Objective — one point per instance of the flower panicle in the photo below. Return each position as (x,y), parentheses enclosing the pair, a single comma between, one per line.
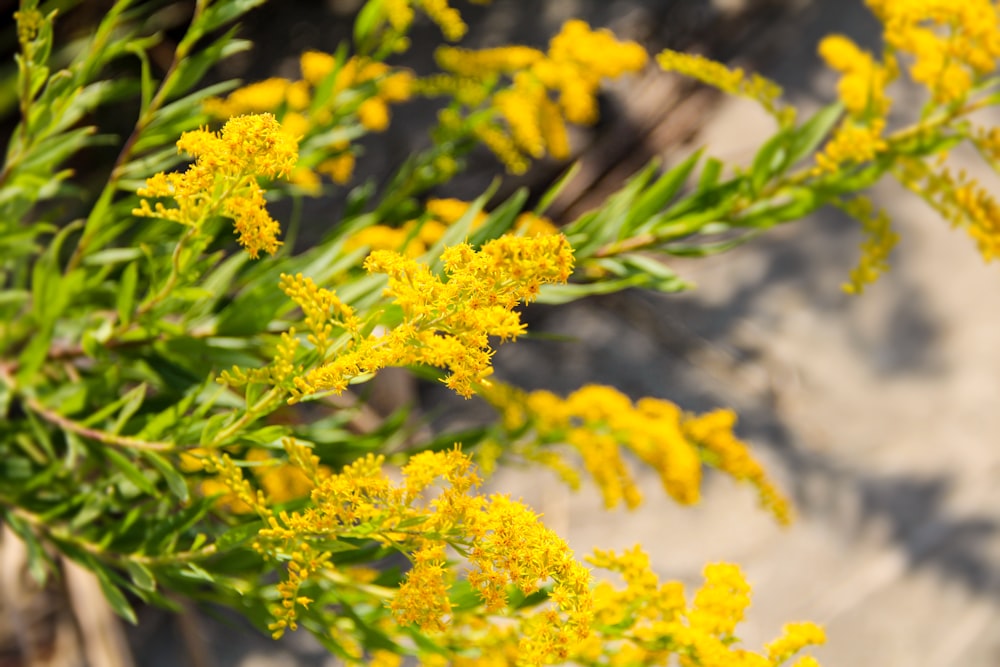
(879,240)
(648,620)
(600,423)
(548,89)
(223,180)
(447,321)
(755,87)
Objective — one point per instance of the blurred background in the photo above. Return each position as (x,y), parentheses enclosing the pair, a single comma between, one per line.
(877,413)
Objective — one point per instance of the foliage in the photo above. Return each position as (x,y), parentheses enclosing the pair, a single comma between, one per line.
(170,412)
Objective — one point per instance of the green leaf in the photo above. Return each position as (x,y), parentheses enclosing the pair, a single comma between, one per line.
(39,561)
(771,160)
(156,426)
(110,256)
(222,13)
(47,154)
(212,427)
(657,196)
(791,204)
(238,535)
(659,276)
(596,228)
(114,596)
(130,470)
(710,174)
(142,168)
(368,19)
(125,299)
(195,572)
(141,576)
(175,480)
(560,294)
(133,400)
(501,219)
(49,292)
(556,189)
(193,68)
(807,138)
(147,85)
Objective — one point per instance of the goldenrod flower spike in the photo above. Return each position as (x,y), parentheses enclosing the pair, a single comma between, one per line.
(223,179)
(879,240)
(953,44)
(600,422)
(731,81)
(863,79)
(571,70)
(447,322)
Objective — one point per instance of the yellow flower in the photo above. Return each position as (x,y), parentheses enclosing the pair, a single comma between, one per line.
(713,432)
(796,637)
(732,81)
(322,308)
(597,421)
(374,114)
(259,97)
(719,604)
(852,144)
(448,19)
(952,43)
(447,323)
(316,66)
(339,169)
(530,224)
(863,81)
(223,179)
(960,200)
(572,69)
(879,240)
(422,599)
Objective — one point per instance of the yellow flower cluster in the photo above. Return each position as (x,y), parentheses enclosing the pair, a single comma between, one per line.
(414,237)
(434,505)
(646,622)
(863,79)
(223,179)
(598,421)
(732,81)
(852,143)
(447,322)
(952,44)
(278,373)
(951,47)
(294,100)
(272,95)
(318,102)
(276,480)
(577,60)
(712,433)
(960,200)
(879,240)
(322,308)
(29,23)
(400,15)
(858,139)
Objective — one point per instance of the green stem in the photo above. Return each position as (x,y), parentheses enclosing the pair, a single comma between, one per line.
(799,178)
(112,439)
(64,534)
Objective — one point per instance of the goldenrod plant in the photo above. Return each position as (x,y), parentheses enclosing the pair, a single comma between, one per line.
(173,405)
